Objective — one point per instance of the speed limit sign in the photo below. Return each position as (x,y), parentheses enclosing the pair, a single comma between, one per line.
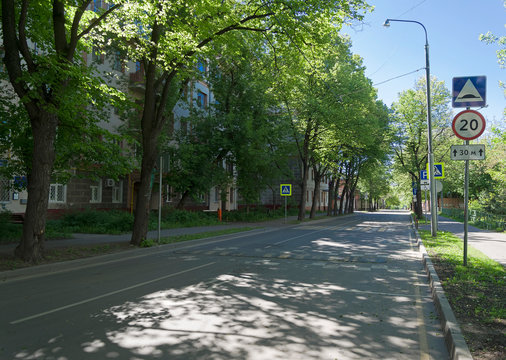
(468,124)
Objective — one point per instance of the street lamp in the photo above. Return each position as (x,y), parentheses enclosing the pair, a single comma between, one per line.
(433,205)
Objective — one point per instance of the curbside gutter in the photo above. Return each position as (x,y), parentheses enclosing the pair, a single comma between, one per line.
(455,343)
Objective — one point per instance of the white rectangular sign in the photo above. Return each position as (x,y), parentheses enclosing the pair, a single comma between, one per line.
(425,187)
(467,152)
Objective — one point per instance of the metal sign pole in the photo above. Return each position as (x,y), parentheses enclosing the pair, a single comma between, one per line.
(466,206)
(285,209)
(425,207)
(160,201)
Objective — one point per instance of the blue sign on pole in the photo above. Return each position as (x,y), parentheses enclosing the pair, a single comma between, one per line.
(469,91)
(285,189)
(423,175)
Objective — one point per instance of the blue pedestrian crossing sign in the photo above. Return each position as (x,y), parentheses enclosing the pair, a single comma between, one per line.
(439,170)
(285,189)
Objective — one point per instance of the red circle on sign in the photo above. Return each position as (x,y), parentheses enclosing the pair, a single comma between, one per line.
(468,129)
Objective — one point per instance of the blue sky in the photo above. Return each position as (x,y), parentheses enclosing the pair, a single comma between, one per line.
(453,28)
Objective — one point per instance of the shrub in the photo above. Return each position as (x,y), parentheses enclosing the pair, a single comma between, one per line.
(8,231)
(101,222)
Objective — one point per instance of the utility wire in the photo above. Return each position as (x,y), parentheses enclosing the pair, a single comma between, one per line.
(413,7)
(409,73)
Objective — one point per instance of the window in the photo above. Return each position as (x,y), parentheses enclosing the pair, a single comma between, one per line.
(230,167)
(5,190)
(96,192)
(201,99)
(117,192)
(57,193)
(216,194)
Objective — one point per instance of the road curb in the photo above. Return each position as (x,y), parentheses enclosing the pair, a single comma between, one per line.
(135,252)
(455,343)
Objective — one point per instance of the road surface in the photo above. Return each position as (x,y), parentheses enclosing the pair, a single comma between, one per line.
(351,287)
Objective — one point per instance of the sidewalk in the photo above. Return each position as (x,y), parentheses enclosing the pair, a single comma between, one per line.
(492,244)
(98,239)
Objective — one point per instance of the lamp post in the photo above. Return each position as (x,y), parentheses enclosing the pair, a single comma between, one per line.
(433,205)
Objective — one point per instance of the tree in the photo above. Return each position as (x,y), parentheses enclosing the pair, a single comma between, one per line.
(168,37)
(490,38)
(54,91)
(409,127)
(326,95)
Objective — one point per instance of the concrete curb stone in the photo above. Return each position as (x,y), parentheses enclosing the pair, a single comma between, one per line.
(455,343)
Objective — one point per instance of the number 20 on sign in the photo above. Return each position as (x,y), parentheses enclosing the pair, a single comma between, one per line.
(468,125)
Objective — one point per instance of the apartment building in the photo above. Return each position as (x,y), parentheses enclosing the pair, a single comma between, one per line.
(84,192)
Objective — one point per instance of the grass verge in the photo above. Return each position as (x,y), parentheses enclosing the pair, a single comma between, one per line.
(476,293)
(9,262)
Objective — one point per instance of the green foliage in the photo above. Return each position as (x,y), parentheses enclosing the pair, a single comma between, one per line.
(147,243)
(8,231)
(172,218)
(99,222)
(478,217)
(481,276)
(393,202)
(259,213)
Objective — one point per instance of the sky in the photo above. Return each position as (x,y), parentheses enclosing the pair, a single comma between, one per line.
(453,29)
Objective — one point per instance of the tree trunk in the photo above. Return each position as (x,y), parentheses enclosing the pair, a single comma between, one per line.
(336,197)
(302,201)
(343,194)
(418,207)
(353,188)
(330,197)
(31,246)
(180,204)
(316,192)
(141,218)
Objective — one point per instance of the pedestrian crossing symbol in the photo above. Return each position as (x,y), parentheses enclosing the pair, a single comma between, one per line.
(285,189)
(439,170)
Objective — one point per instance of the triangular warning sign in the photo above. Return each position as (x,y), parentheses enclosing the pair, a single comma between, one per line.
(437,171)
(468,93)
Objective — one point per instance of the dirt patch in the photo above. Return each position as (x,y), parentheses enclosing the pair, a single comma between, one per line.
(484,335)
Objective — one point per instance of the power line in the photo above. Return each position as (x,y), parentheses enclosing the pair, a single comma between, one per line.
(409,73)
(413,7)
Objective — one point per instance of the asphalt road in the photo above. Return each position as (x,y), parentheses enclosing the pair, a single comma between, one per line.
(352,287)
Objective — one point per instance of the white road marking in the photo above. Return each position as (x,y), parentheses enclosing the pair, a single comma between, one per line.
(107,294)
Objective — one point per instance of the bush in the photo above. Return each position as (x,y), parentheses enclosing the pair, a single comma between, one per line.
(9,232)
(93,221)
(259,213)
(172,218)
